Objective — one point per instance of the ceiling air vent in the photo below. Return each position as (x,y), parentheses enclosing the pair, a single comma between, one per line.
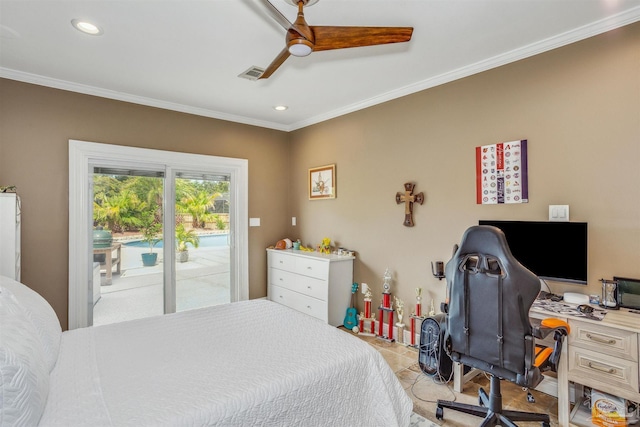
(252,73)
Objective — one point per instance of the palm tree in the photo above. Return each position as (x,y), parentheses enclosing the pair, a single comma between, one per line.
(151,190)
(119,212)
(197,205)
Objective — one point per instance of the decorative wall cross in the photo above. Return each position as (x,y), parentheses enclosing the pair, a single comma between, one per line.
(409,199)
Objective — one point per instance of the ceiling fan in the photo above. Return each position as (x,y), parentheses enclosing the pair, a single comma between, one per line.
(302,39)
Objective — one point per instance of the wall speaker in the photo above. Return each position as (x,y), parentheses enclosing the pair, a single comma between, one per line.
(432,358)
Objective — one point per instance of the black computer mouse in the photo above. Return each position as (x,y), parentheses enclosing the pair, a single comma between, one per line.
(584,308)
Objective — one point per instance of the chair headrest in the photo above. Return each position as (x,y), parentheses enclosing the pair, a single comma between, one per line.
(487,245)
(485,239)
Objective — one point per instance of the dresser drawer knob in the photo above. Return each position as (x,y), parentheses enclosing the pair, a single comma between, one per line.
(308,287)
(600,340)
(602,368)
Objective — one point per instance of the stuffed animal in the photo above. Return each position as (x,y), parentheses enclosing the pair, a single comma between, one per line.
(325,246)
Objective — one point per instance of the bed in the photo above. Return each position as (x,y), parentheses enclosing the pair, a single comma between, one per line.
(247,363)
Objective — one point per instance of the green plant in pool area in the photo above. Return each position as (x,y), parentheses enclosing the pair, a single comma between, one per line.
(151,230)
(220,224)
(184,236)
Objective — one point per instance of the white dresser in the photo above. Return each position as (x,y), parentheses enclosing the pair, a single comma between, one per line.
(10,235)
(310,282)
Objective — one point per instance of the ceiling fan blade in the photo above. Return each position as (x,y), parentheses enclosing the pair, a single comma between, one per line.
(282,56)
(281,19)
(327,37)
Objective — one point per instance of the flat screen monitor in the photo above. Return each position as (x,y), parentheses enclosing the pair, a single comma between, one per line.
(551,250)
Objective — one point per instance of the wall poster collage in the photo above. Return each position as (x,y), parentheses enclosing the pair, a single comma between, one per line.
(501,173)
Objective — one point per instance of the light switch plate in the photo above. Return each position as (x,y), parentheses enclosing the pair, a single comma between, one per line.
(254,222)
(558,212)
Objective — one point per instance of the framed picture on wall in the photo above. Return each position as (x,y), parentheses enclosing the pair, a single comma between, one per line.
(322,182)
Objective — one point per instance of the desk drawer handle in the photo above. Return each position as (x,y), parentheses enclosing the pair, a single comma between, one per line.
(600,340)
(601,369)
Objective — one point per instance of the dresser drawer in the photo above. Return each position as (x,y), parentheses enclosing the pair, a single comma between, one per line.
(312,268)
(303,303)
(282,278)
(316,288)
(603,339)
(593,368)
(282,261)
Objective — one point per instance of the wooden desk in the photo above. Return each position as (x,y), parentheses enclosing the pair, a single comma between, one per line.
(603,355)
(110,261)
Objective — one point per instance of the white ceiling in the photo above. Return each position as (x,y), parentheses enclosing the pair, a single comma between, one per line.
(186,55)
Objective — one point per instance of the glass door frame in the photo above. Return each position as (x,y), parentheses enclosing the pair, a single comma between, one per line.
(83,156)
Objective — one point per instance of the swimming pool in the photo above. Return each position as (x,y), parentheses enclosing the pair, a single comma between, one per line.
(206,241)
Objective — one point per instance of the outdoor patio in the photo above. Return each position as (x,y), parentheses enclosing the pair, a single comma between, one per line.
(138,291)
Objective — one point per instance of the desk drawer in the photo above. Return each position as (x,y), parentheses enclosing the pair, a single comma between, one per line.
(312,268)
(599,338)
(593,368)
(282,261)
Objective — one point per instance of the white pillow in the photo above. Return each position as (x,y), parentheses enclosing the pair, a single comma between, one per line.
(24,375)
(41,315)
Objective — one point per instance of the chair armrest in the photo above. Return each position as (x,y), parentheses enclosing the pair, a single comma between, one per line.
(548,325)
(560,329)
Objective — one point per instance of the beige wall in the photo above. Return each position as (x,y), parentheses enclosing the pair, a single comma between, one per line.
(578,106)
(36,124)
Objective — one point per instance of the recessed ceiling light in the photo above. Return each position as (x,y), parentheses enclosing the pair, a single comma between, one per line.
(280,107)
(86,27)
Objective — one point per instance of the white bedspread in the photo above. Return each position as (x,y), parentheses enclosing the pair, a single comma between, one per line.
(249,363)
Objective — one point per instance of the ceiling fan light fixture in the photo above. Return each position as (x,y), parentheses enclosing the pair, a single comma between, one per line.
(300,47)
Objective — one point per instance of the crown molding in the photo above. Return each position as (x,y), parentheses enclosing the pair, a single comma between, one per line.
(625,18)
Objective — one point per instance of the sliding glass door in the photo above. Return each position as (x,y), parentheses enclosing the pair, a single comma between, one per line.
(187,213)
(203,256)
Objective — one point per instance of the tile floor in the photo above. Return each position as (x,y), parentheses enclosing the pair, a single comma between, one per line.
(425,392)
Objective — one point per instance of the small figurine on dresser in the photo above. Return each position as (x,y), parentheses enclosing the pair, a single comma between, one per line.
(325,246)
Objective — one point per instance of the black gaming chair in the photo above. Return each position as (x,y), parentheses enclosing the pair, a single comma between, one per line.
(488,327)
